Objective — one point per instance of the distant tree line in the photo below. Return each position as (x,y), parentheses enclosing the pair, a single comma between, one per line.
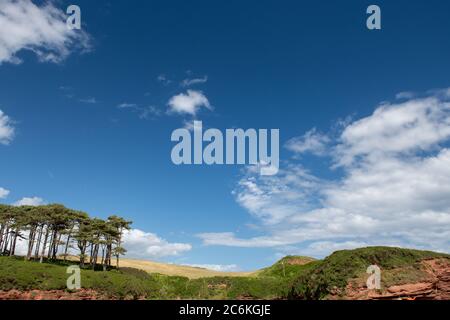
(54,231)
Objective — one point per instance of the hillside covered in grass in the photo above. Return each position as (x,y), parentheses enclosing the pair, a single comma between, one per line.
(292,277)
(347,269)
(132,283)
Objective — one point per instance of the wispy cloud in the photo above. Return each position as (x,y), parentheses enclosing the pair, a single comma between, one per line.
(405,95)
(162,78)
(146,112)
(40,29)
(190,82)
(312,141)
(90,100)
(127,105)
(394,189)
(7,130)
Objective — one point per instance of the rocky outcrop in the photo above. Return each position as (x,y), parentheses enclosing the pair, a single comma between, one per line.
(436,286)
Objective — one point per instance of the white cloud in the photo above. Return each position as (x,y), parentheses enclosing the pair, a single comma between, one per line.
(312,141)
(405,95)
(190,82)
(189,103)
(22,245)
(33,201)
(273,198)
(189,125)
(126,105)
(139,245)
(411,126)
(162,78)
(394,189)
(216,267)
(40,29)
(3,193)
(147,112)
(7,129)
(230,239)
(145,245)
(91,100)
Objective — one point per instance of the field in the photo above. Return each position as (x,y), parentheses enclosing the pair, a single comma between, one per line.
(178,270)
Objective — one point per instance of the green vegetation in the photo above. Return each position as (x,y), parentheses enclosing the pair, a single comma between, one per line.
(291,277)
(130,283)
(288,267)
(49,228)
(335,272)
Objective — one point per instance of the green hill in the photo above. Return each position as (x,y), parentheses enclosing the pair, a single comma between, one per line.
(288,267)
(334,273)
(292,277)
(132,283)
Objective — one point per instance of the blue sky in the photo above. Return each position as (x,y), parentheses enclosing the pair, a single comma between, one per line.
(90,127)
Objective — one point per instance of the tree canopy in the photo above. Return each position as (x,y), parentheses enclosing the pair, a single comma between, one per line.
(54,231)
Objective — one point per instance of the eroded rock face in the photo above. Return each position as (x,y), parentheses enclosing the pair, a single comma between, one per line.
(435,287)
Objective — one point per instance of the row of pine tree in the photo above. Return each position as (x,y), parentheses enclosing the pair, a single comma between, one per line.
(55,232)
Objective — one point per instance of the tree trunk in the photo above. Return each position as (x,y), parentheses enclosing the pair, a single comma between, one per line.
(66,249)
(94,258)
(1,235)
(92,253)
(31,238)
(103,258)
(51,249)
(50,244)
(5,245)
(82,247)
(12,248)
(56,245)
(38,245)
(45,243)
(68,242)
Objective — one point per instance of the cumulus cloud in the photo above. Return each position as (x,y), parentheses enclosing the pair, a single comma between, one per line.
(145,245)
(312,141)
(7,129)
(189,103)
(393,129)
(40,29)
(3,193)
(139,245)
(394,188)
(32,201)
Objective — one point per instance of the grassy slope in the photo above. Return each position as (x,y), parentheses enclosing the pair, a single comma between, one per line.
(287,267)
(398,266)
(15,273)
(294,277)
(169,269)
(178,270)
